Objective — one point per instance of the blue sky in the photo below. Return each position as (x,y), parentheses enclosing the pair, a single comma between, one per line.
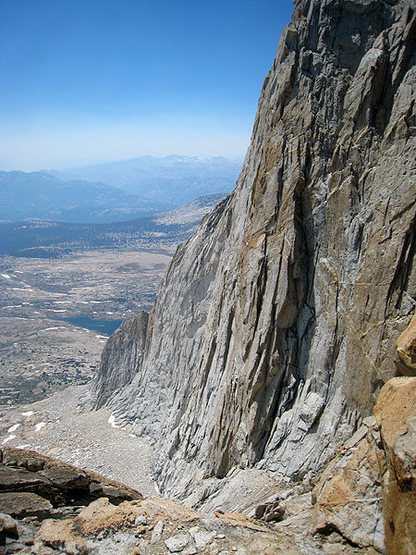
(85,81)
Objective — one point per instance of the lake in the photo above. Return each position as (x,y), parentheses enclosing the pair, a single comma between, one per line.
(107,327)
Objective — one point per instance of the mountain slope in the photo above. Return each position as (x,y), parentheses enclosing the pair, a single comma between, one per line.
(274,327)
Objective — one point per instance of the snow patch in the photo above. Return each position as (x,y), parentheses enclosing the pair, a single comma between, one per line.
(13,428)
(112,421)
(27,413)
(39,426)
(6,276)
(9,438)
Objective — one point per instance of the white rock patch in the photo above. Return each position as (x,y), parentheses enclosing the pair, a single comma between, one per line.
(9,438)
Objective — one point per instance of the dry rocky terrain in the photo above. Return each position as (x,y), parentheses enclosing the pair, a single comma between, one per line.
(47,506)
(40,352)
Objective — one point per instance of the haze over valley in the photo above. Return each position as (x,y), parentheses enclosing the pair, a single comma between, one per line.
(117,191)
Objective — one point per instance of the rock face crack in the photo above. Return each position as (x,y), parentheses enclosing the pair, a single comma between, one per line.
(404,268)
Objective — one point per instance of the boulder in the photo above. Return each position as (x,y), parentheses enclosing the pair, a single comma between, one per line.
(24,504)
(8,528)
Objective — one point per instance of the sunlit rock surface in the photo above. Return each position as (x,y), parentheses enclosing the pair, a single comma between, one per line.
(396,415)
(274,328)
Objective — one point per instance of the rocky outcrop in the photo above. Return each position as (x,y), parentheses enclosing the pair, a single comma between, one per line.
(396,415)
(347,498)
(405,353)
(274,327)
(34,487)
(47,506)
(53,482)
(367,493)
(155,526)
(121,358)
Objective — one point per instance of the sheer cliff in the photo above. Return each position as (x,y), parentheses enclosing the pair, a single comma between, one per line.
(274,327)
(123,352)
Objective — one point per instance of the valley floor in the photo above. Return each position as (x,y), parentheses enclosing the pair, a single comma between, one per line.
(44,344)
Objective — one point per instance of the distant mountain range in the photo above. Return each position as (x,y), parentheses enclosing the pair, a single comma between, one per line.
(114,192)
(173,180)
(42,195)
(47,239)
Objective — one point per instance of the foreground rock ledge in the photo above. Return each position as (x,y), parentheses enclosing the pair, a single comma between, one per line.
(55,507)
(367,493)
(364,501)
(34,487)
(155,526)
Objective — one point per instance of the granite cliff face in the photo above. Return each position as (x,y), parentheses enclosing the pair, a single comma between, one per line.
(274,327)
(121,358)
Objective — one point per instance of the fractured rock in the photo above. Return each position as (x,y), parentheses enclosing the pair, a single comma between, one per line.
(367,493)
(157,532)
(396,415)
(203,538)
(177,543)
(405,358)
(348,496)
(8,528)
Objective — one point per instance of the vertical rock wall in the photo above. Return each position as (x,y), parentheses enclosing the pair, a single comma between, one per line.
(274,327)
(121,358)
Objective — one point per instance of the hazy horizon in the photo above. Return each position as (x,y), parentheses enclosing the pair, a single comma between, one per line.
(86,83)
(69,168)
